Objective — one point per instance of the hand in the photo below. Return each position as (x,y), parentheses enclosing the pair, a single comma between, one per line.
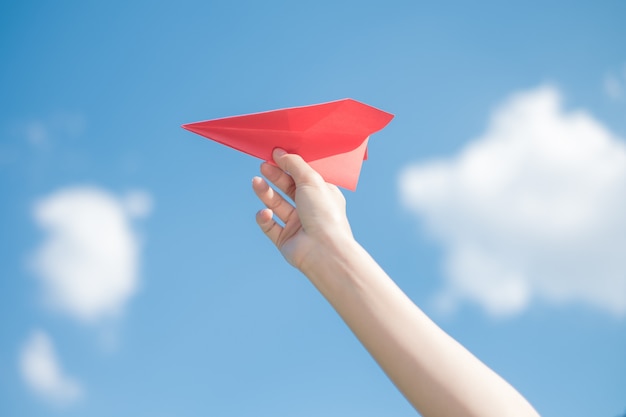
(316,226)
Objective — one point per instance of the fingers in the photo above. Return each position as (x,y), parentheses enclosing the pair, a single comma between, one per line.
(301,172)
(272,200)
(280,179)
(265,220)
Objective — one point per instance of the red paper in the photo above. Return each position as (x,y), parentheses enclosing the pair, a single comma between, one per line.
(332,137)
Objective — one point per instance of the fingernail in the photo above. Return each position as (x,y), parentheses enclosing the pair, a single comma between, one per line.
(278,152)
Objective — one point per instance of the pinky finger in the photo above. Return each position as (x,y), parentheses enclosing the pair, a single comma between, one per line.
(265,220)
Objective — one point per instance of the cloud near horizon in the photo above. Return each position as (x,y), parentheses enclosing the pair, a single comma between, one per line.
(40,369)
(532,209)
(90,259)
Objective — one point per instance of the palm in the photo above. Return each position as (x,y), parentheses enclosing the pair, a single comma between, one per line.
(318,215)
(292,240)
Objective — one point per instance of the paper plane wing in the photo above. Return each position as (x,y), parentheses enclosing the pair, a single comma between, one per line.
(332,137)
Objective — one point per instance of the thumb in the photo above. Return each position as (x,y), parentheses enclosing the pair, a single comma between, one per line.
(294,165)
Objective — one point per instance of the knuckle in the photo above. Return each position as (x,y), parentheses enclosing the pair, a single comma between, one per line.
(267,227)
(275,201)
(290,189)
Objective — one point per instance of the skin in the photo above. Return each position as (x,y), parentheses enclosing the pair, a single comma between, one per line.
(436,374)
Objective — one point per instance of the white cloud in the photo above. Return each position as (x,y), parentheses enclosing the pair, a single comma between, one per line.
(41,371)
(534,208)
(89,262)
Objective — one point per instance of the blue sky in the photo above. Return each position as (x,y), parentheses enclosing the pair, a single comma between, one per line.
(134,280)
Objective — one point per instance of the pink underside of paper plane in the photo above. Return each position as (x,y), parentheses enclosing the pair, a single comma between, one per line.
(332,137)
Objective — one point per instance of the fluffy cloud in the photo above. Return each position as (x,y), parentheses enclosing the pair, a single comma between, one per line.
(534,208)
(40,370)
(89,262)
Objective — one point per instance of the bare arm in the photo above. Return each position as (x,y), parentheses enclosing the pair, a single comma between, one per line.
(433,371)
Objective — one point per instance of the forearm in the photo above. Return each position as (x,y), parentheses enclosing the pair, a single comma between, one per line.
(433,371)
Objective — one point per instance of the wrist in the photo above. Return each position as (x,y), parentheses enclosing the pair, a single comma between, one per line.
(328,261)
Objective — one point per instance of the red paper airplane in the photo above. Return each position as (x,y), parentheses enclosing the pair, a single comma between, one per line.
(332,137)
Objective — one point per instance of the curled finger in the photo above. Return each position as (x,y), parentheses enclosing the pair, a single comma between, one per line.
(269,226)
(272,200)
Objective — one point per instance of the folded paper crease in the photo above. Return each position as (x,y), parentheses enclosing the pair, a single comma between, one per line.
(332,137)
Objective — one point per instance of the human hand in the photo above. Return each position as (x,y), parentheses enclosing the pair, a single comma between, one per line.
(316,227)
